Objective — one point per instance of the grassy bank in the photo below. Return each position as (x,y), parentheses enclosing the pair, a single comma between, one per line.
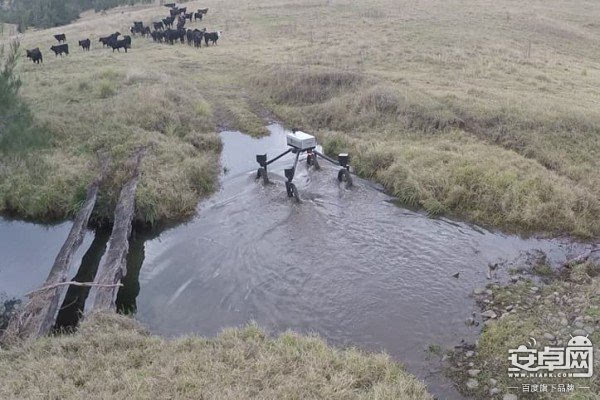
(564,303)
(112,357)
(487,111)
(103,102)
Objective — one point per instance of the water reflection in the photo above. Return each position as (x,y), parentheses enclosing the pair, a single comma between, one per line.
(73,304)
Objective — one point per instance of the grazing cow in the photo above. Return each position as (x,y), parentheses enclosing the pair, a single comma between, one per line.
(107,39)
(189,16)
(61,37)
(35,55)
(60,49)
(197,16)
(212,37)
(203,10)
(158,26)
(85,44)
(168,22)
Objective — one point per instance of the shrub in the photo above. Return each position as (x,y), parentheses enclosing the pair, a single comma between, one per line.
(16,130)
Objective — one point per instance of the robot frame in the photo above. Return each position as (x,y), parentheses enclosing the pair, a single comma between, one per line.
(301,142)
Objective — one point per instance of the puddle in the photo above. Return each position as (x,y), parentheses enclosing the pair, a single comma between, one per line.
(346,264)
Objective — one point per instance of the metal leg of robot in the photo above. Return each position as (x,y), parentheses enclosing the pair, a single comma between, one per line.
(290,188)
(344,173)
(261,159)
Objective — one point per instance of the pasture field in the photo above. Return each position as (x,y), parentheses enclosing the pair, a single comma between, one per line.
(485,110)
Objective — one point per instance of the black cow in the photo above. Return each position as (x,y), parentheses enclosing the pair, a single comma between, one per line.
(124,43)
(181,33)
(158,26)
(174,12)
(60,49)
(197,16)
(212,37)
(171,35)
(157,36)
(189,36)
(168,21)
(35,55)
(107,39)
(183,10)
(61,37)
(198,34)
(189,16)
(180,23)
(146,31)
(85,44)
(138,27)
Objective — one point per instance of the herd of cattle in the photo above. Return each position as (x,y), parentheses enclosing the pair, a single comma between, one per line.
(163,33)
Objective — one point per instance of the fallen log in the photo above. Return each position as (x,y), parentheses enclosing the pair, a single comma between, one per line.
(113,265)
(580,259)
(69,283)
(39,314)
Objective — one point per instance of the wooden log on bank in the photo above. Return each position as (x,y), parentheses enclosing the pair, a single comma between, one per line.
(580,259)
(38,315)
(113,265)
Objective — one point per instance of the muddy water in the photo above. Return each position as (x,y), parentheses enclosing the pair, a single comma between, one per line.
(347,264)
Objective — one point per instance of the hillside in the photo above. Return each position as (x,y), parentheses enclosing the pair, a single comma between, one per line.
(482,110)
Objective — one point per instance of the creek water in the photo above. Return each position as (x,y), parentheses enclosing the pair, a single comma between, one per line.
(27,251)
(347,264)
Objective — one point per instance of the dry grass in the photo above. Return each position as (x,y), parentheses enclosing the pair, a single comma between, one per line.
(485,110)
(112,357)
